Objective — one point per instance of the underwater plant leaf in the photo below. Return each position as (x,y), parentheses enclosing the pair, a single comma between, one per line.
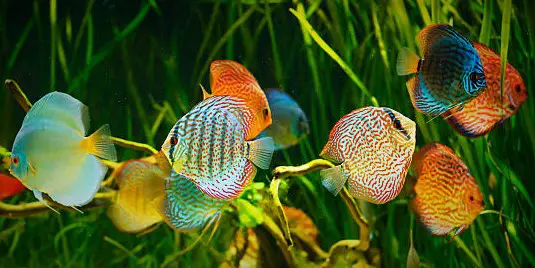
(249,215)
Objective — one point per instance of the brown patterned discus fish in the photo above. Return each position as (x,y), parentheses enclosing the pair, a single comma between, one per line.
(373,148)
(493,106)
(447,195)
(229,78)
(138,201)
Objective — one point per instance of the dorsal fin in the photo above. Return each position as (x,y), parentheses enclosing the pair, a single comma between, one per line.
(205,94)
(63,108)
(434,33)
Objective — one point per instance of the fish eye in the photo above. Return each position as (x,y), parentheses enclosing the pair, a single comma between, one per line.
(517,88)
(15,160)
(471,198)
(265,112)
(475,76)
(174,140)
(511,107)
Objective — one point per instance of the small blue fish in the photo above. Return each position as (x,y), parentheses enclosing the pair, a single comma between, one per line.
(186,208)
(449,74)
(52,155)
(290,123)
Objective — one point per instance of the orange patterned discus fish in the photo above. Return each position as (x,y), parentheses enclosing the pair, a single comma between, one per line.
(138,201)
(245,243)
(373,148)
(298,219)
(229,78)
(208,147)
(447,195)
(492,107)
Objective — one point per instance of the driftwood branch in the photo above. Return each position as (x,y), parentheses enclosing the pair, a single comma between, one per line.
(318,164)
(32,208)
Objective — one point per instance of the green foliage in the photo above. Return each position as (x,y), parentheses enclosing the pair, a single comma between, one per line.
(131,62)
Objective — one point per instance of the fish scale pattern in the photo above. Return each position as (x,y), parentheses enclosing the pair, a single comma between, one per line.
(375,147)
(186,208)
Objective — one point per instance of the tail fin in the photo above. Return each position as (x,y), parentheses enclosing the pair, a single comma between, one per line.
(100,144)
(333,179)
(407,62)
(261,151)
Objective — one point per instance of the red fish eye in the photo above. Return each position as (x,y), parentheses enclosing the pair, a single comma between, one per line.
(517,88)
(473,76)
(15,160)
(265,112)
(512,107)
(471,198)
(174,140)
(397,124)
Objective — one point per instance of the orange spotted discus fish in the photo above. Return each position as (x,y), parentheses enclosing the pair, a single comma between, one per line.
(447,195)
(493,106)
(138,202)
(373,148)
(186,208)
(229,78)
(208,147)
(449,73)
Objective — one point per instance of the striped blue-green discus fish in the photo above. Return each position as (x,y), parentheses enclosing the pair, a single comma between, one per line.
(449,74)
(186,208)
(208,146)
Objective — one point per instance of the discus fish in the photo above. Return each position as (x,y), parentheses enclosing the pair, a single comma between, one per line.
(447,195)
(229,78)
(290,123)
(448,75)
(9,186)
(208,147)
(139,198)
(373,148)
(51,155)
(492,107)
(186,208)
(299,220)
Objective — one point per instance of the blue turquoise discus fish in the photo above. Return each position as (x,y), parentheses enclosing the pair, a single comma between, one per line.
(208,147)
(186,208)
(449,74)
(52,155)
(290,123)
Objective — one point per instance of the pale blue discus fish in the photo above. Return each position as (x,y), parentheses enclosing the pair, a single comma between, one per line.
(289,122)
(52,155)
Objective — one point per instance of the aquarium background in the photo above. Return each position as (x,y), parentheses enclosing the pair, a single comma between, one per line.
(128,60)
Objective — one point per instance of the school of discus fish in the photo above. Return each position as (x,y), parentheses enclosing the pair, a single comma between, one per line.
(213,152)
